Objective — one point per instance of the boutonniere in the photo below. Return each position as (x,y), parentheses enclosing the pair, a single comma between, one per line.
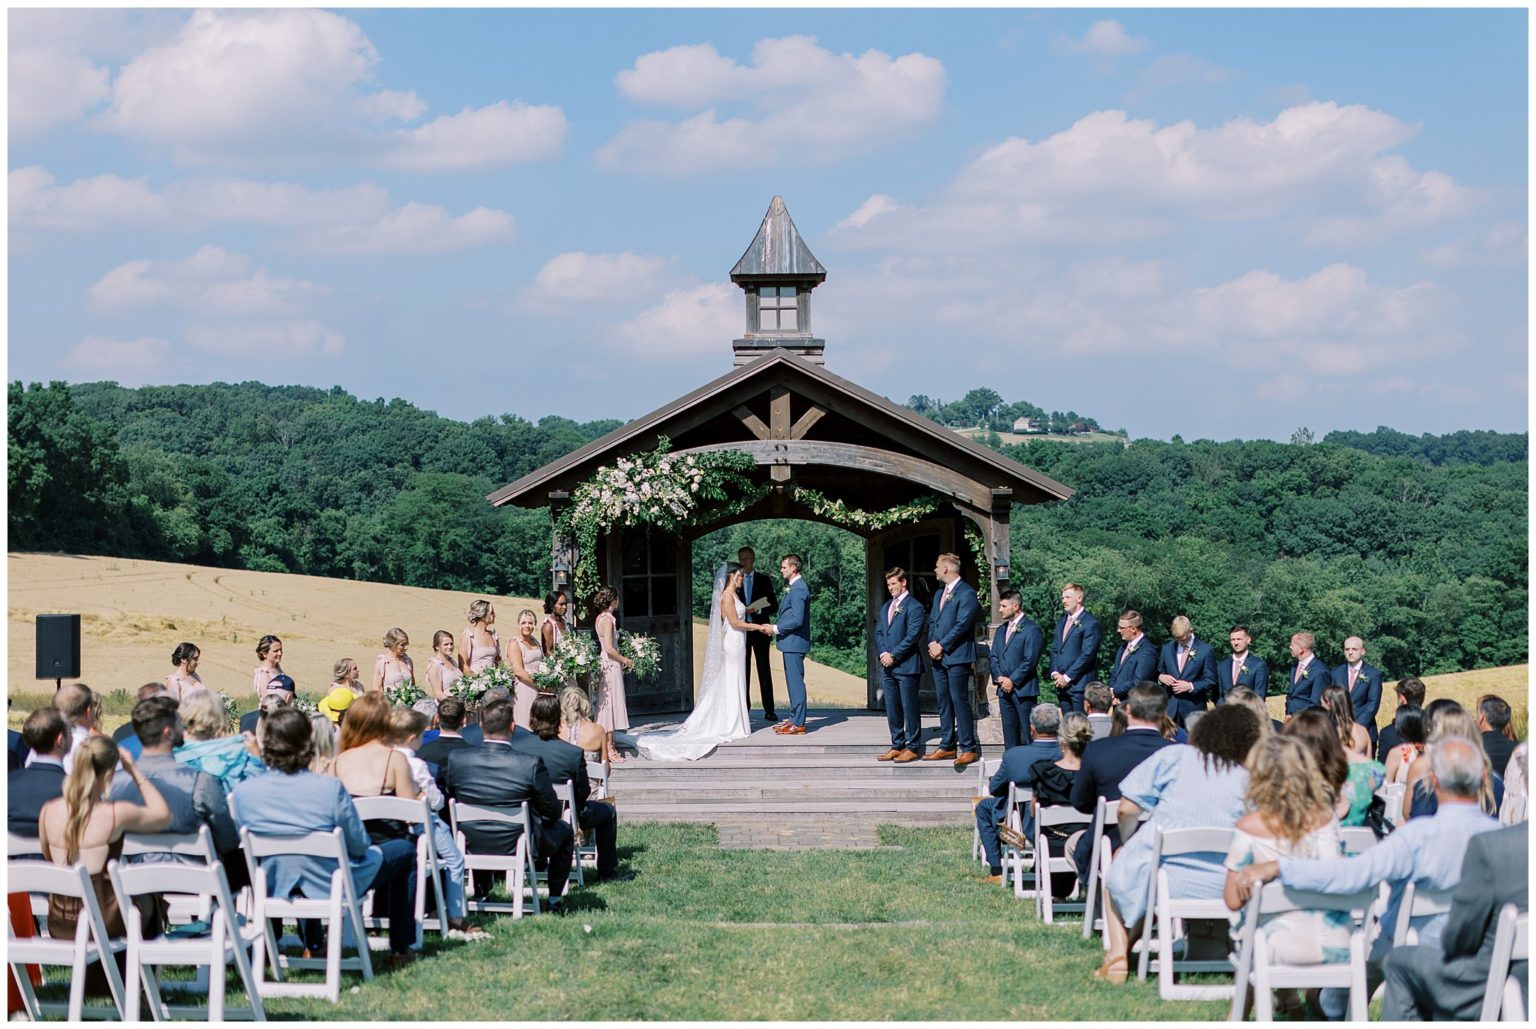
(1130,648)
(1070,627)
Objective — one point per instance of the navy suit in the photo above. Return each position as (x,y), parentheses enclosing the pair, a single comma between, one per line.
(792,633)
(901,636)
(1199,671)
(1106,763)
(1365,698)
(27,790)
(1305,691)
(1015,768)
(1254,676)
(952,624)
(1140,666)
(1017,659)
(1077,656)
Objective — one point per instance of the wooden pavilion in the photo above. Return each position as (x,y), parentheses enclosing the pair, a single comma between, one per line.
(806,427)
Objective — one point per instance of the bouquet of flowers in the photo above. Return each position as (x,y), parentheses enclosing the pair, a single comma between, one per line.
(305,703)
(644,651)
(404,694)
(470,688)
(231,711)
(575,656)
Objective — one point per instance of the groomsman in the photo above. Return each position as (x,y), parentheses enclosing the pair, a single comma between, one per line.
(1187,668)
(1074,649)
(1015,659)
(1136,659)
(1363,681)
(1242,668)
(754,586)
(1308,675)
(898,633)
(952,646)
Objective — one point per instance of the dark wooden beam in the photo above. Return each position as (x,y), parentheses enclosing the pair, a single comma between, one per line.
(804,422)
(755,425)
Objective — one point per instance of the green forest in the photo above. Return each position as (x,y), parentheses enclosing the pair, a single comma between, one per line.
(1417,543)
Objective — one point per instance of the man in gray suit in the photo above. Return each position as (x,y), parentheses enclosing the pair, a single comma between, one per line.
(1447,982)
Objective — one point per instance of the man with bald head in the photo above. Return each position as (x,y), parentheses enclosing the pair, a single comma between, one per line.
(1363,681)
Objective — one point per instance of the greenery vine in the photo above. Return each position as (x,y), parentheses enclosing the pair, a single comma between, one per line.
(872,521)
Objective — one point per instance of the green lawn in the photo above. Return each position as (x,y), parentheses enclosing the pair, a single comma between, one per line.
(702,933)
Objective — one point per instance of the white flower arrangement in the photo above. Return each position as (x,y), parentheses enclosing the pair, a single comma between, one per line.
(404,694)
(575,655)
(644,651)
(305,703)
(231,709)
(470,688)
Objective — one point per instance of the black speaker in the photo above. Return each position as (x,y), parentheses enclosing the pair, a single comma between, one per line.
(58,646)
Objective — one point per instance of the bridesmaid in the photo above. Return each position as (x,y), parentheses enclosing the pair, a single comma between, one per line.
(525,657)
(556,605)
(393,666)
(443,669)
(345,675)
(612,712)
(482,647)
(270,652)
(185,678)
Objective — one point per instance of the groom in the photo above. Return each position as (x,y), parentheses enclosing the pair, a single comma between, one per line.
(793,632)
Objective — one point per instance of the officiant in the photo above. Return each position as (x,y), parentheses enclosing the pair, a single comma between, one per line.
(756,591)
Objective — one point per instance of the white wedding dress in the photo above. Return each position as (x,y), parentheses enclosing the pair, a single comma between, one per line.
(720,714)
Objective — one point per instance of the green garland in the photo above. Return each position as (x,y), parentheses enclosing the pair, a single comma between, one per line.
(978,544)
(871,521)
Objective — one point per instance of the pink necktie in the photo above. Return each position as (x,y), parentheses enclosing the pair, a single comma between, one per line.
(1009,634)
(943,599)
(1066,629)
(1353,674)
(1183,658)
(890,614)
(1237,669)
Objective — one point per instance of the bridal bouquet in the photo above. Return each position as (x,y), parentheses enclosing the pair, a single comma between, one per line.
(470,688)
(305,703)
(404,694)
(575,656)
(231,710)
(644,651)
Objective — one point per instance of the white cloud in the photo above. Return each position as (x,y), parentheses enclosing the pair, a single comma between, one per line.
(213,281)
(37,202)
(413,229)
(1503,244)
(689,321)
(580,278)
(500,134)
(101,357)
(1173,70)
(1107,38)
(279,341)
(802,101)
(48,87)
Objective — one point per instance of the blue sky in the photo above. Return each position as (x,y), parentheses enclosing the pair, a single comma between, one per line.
(1211,223)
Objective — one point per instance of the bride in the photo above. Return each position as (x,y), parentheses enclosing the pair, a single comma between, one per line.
(721,714)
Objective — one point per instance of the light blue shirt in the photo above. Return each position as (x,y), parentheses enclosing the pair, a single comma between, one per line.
(1425,851)
(746,585)
(277,804)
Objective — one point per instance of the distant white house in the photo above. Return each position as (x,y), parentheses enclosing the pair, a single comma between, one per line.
(1026,425)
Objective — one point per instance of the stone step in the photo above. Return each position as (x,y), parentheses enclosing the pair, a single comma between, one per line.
(874,793)
(784,812)
(719,766)
(797,747)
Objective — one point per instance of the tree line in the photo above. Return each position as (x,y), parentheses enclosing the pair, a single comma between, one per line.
(1417,544)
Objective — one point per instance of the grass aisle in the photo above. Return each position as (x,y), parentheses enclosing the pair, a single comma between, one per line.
(703,933)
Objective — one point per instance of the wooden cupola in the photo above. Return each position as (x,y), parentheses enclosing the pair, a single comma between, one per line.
(777,274)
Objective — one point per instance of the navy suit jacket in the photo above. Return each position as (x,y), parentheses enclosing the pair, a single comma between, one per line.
(1128,671)
(794,626)
(563,761)
(1306,692)
(27,790)
(1255,676)
(495,775)
(1078,655)
(1107,762)
(762,586)
(954,628)
(1018,658)
(1365,698)
(1199,669)
(902,638)
(1017,761)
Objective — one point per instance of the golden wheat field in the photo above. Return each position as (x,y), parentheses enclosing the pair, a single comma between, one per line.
(133,613)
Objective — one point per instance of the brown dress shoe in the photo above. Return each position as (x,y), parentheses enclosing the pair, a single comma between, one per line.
(889,755)
(795,730)
(994,879)
(940,755)
(904,757)
(970,757)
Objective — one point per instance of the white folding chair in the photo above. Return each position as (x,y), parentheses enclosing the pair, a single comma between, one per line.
(1257,968)
(1417,903)
(91,942)
(984,769)
(181,905)
(1055,816)
(598,773)
(429,869)
(583,854)
(1392,795)
(341,911)
(1166,914)
(223,940)
(1511,942)
(1357,839)
(1093,917)
(1018,864)
(28,848)
(518,866)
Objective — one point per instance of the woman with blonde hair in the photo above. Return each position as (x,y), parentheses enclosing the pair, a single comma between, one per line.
(442,668)
(210,746)
(482,647)
(576,724)
(345,675)
(525,657)
(1449,719)
(323,733)
(81,826)
(394,666)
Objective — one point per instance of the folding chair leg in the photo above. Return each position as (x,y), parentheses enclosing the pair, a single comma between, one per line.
(132,986)
(77,986)
(333,950)
(28,997)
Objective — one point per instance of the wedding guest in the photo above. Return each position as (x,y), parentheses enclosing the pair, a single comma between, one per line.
(269,652)
(1015,656)
(1183,787)
(1410,691)
(81,709)
(443,667)
(1135,660)
(1243,670)
(369,766)
(1499,739)
(1074,647)
(577,726)
(1017,768)
(525,657)
(1108,761)
(1352,735)
(123,735)
(1512,810)
(184,678)
(1351,788)
(1308,675)
(612,712)
(556,605)
(482,647)
(899,629)
(210,747)
(334,704)
(82,826)
(564,762)
(1099,699)
(1187,669)
(952,616)
(1255,703)
(1408,732)
(450,737)
(29,788)
(394,666)
(1419,799)
(322,735)
(280,691)
(346,675)
(1362,681)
